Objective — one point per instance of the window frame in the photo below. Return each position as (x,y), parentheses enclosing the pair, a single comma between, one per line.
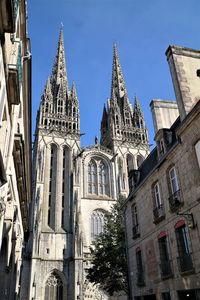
(173,179)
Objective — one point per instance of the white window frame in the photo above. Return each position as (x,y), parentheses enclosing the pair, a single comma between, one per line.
(173,180)
(157,195)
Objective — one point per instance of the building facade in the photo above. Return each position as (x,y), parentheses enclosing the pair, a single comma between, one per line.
(162,211)
(15,143)
(73,186)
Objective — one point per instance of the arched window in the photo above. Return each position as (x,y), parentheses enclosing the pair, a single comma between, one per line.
(130,162)
(140,160)
(97,223)
(102,183)
(92,177)
(53,288)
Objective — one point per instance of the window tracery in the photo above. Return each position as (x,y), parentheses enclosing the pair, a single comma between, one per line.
(54,288)
(98,218)
(98,177)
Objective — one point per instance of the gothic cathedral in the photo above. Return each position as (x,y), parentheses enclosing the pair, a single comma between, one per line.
(75,186)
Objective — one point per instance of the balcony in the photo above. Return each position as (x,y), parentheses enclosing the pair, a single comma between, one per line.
(165,268)
(185,263)
(175,201)
(159,213)
(135,231)
(140,278)
(8,16)
(15,74)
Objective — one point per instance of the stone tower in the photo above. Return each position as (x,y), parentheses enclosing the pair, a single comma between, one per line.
(57,142)
(75,187)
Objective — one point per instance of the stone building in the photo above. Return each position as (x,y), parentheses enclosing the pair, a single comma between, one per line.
(15,143)
(74,186)
(163,209)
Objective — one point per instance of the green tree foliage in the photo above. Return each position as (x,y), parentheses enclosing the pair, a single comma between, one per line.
(108,254)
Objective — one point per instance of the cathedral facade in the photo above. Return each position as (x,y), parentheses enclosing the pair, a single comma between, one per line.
(73,186)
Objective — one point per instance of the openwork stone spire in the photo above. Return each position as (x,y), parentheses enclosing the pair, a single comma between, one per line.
(59,72)
(59,109)
(118,88)
(120,123)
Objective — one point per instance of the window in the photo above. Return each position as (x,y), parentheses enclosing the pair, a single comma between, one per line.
(140,269)
(63,187)
(52,183)
(92,177)
(60,106)
(135,223)
(157,197)
(175,197)
(162,146)
(102,179)
(97,223)
(98,182)
(140,160)
(129,162)
(197,149)
(183,244)
(158,210)
(173,180)
(165,264)
(53,288)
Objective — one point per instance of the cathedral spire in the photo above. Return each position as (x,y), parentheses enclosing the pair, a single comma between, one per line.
(59,72)
(118,88)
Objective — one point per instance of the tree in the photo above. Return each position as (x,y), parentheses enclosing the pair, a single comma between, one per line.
(108,254)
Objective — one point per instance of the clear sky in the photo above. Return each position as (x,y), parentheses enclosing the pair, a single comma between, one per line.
(142,30)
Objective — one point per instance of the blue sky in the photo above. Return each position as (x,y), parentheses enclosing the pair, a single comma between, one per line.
(142,29)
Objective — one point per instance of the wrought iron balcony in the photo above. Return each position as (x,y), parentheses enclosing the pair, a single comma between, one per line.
(159,213)
(175,200)
(140,278)
(9,12)
(185,263)
(135,231)
(166,269)
(15,73)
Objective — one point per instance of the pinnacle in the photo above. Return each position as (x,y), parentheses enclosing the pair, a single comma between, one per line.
(73,91)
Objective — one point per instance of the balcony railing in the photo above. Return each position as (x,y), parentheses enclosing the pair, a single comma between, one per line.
(166,269)
(135,231)
(140,278)
(175,200)
(159,213)
(185,263)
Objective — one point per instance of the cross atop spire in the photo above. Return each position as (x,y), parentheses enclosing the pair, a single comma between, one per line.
(118,88)
(59,73)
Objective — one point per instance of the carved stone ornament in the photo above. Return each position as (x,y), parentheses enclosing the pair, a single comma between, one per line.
(2,206)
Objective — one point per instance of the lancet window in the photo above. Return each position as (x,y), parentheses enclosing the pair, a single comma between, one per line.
(52,183)
(92,177)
